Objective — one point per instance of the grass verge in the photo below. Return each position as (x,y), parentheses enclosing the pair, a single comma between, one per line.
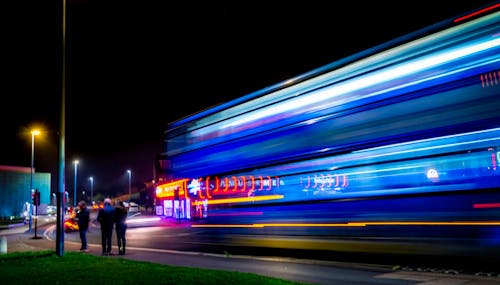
(45,267)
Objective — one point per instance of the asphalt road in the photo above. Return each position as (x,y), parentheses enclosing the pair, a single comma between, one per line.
(303,270)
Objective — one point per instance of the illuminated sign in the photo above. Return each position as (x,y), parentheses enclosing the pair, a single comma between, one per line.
(194,187)
(324,181)
(207,188)
(244,188)
(167,190)
(239,185)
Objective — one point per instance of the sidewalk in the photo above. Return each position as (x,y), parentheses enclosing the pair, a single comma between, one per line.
(19,239)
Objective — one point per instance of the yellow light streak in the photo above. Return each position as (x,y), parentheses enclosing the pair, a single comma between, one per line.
(423,223)
(356,224)
(243,199)
(228,226)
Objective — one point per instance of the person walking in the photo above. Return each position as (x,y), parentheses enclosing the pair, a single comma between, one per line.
(121,213)
(83,219)
(105,217)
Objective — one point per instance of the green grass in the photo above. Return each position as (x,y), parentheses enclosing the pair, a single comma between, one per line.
(45,267)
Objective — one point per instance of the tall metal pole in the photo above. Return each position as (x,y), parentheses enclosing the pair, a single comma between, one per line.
(74,197)
(129,185)
(62,133)
(31,179)
(91,191)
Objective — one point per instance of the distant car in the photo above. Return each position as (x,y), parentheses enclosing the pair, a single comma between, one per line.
(51,210)
(71,224)
(132,207)
(97,206)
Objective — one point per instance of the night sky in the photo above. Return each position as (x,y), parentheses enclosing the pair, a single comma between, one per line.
(135,66)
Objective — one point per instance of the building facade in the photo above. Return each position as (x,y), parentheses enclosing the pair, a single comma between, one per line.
(15,189)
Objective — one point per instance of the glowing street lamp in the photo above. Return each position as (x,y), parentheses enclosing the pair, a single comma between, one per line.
(129,185)
(33,134)
(74,197)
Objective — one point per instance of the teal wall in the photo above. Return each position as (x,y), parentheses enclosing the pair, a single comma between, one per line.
(15,190)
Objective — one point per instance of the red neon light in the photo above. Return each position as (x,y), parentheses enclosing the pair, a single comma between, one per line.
(476,13)
(184,189)
(253,183)
(261,183)
(226,181)
(486,205)
(336,180)
(207,187)
(252,188)
(217,181)
(270,183)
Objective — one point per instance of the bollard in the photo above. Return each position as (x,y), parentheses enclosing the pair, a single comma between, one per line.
(3,245)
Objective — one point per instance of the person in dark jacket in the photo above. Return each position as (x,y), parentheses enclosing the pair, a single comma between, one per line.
(105,217)
(121,226)
(83,219)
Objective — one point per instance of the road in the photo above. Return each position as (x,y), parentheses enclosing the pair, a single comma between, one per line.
(171,243)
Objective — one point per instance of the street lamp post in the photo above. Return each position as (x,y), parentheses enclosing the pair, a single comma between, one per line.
(129,185)
(91,190)
(33,134)
(74,197)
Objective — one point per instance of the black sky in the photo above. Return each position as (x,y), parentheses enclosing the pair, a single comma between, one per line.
(135,66)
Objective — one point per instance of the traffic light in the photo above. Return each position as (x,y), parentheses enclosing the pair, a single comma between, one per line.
(36,198)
